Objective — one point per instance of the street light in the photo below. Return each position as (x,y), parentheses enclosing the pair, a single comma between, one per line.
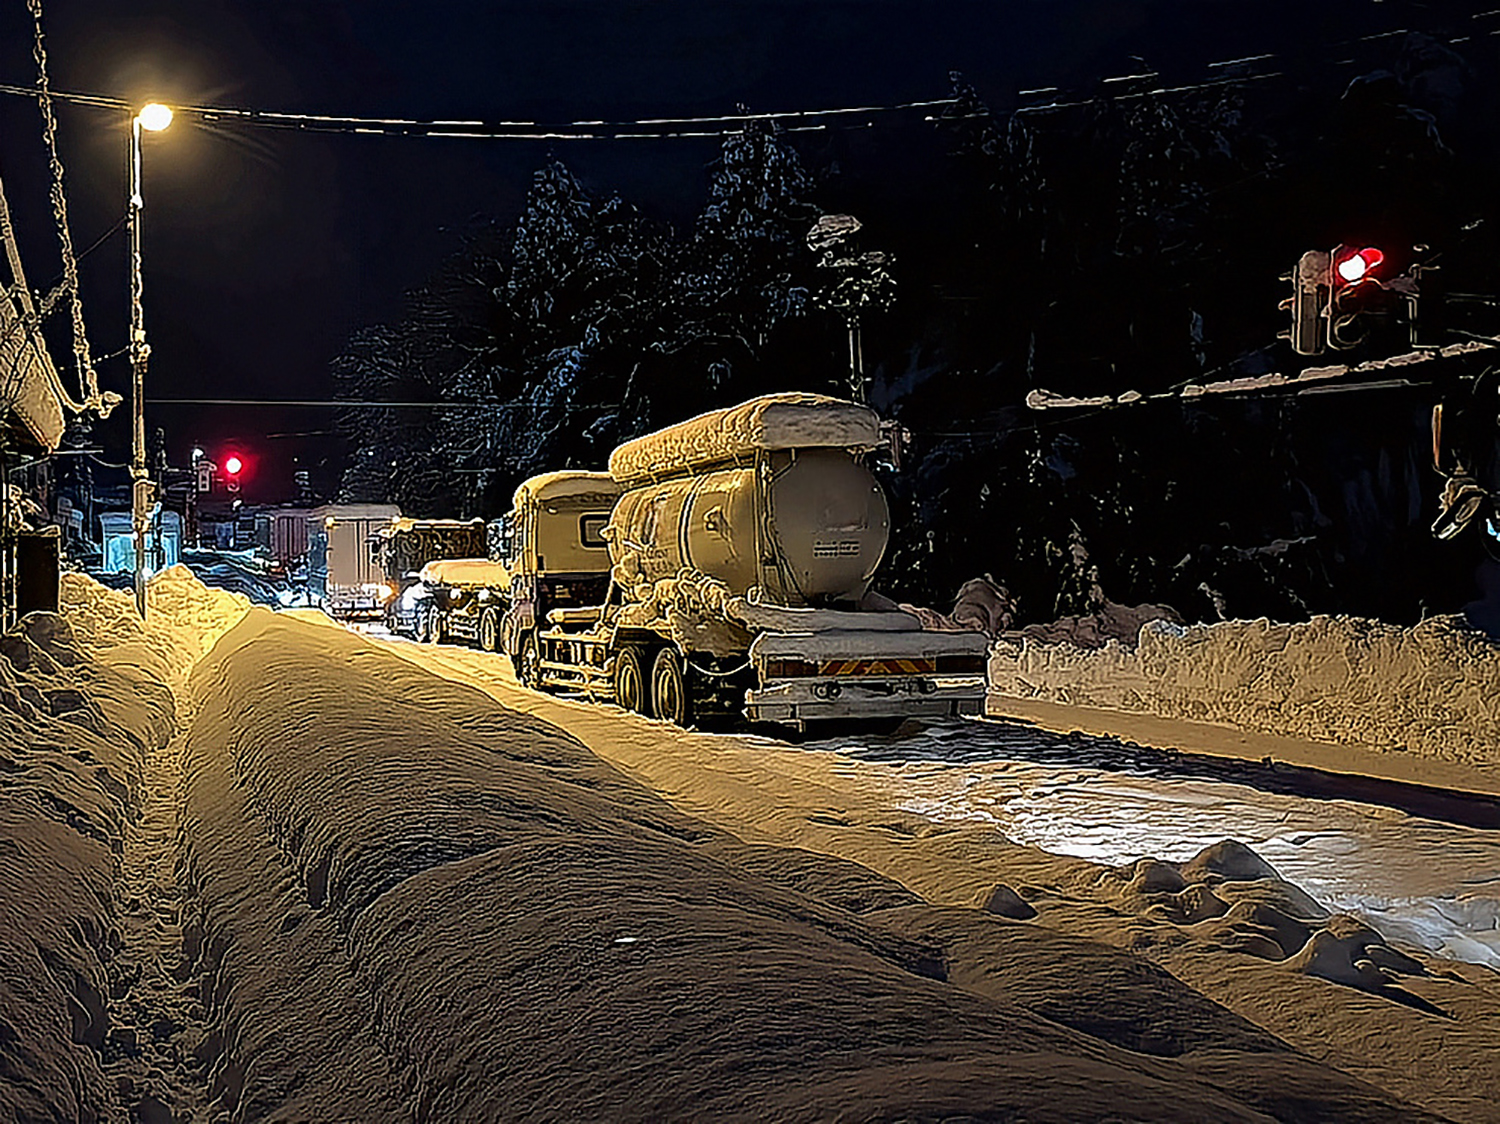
(153,117)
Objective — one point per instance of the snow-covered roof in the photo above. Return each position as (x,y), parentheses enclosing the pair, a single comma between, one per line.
(29,401)
(356,511)
(406,523)
(791,420)
(567,484)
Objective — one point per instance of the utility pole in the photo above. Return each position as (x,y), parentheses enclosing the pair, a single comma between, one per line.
(153,117)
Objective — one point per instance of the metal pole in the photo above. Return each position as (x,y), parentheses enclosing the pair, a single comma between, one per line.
(856,363)
(140,489)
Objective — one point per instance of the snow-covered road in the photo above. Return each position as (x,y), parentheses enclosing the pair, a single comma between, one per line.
(1421,864)
(1420,880)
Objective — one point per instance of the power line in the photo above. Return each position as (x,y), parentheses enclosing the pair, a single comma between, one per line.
(320,403)
(657,128)
(489,130)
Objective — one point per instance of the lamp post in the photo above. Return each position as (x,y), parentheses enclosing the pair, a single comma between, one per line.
(153,117)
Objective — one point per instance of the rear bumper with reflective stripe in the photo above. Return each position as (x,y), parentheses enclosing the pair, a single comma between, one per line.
(796,702)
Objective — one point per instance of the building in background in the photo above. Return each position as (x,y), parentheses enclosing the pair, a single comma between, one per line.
(163,541)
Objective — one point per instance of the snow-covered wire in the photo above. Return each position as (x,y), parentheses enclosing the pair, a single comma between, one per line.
(363,404)
(656,128)
(494,130)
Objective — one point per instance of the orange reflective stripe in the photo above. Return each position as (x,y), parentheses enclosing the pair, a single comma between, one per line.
(877,667)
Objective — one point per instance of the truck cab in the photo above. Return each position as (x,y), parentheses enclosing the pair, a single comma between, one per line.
(402,547)
(556,556)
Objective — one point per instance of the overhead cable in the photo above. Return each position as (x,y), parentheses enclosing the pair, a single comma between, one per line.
(659,128)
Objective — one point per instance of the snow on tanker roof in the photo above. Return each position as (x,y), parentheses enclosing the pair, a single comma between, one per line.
(567,484)
(790,420)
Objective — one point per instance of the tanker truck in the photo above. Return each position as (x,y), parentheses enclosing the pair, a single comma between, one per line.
(740,553)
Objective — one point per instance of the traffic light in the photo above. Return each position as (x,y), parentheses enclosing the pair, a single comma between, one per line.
(1309,303)
(1356,289)
(1338,296)
(233,466)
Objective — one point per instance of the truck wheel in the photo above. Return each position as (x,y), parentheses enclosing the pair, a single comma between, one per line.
(630,682)
(489,630)
(525,661)
(421,623)
(669,690)
(434,625)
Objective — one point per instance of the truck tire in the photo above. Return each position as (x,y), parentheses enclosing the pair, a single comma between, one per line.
(669,688)
(489,630)
(630,680)
(420,624)
(526,662)
(434,625)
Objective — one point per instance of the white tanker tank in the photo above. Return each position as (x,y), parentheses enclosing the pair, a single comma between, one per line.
(742,546)
(806,525)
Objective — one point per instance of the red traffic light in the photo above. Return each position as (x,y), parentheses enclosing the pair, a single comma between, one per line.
(233,465)
(1351,266)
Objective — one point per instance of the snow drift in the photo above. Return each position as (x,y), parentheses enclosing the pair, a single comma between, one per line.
(414,903)
(1429,689)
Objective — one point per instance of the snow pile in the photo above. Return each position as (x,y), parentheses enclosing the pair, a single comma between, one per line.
(402,900)
(1428,689)
(84,700)
(1110,621)
(1236,900)
(73,736)
(186,619)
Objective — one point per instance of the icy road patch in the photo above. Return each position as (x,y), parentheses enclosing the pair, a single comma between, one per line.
(1429,884)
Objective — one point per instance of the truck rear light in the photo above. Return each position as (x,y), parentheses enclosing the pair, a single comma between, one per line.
(960,665)
(789,669)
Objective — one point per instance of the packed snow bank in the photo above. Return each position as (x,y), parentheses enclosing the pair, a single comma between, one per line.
(73,735)
(1099,955)
(85,698)
(185,619)
(414,903)
(1429,689)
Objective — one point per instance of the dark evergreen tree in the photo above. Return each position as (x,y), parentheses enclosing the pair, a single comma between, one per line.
(746,270)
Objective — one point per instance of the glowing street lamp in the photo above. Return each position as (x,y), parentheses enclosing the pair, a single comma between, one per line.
(153,117)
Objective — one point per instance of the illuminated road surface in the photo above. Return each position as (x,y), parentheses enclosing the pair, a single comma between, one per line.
(1424,870)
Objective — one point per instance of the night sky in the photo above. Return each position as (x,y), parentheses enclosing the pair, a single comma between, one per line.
(265,248)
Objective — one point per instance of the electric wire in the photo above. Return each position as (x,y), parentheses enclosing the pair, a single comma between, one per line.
(340,403)
(652,128)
